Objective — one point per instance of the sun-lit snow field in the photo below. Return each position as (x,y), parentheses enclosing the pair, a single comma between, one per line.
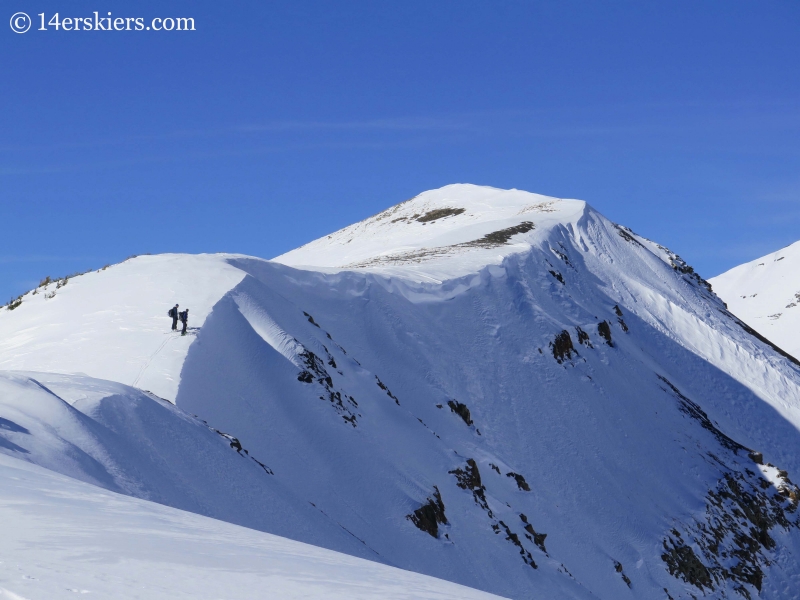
(492,387)
(110,323)
(765,293)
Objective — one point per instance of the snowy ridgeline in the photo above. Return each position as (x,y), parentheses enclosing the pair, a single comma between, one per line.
(495,388)
(765,293)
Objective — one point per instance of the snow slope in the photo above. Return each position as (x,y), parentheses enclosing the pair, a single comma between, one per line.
(110,323)
(65,539)
(492,387)
(765,294)
(131,442)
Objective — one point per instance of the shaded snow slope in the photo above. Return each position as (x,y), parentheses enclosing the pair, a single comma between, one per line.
(131,442)
(519,396)
(765,294)
(65,539)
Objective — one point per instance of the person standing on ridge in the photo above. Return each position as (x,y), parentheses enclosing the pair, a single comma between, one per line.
(184,319)
(173,312)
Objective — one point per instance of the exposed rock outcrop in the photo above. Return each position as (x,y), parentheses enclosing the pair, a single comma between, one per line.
(430,515)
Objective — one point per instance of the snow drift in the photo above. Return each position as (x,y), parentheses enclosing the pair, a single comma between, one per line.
(496,388)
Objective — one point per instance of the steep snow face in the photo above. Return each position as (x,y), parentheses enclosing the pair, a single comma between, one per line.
(440,234)
(531,402)
(131,442)
(110,323)
(765,294)
(63,538)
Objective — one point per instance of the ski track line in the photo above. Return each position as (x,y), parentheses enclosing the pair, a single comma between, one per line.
(149,360)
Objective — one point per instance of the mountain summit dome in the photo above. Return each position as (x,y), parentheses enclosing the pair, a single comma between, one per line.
(440,234)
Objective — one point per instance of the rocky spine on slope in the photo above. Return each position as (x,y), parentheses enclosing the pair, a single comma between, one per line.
(490,240)
(430,515)
(468,478)
(562,347)
(461,410)
(734,534)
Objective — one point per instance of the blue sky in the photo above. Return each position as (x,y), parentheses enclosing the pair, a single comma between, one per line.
(277,122)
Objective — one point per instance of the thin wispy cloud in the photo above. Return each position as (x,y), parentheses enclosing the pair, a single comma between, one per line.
(565,121)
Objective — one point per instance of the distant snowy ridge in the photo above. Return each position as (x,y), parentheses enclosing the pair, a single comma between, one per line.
(765,293)
(496,388)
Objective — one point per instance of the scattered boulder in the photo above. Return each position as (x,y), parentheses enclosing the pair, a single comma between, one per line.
(237,445)
(469,478)
(315,371)
(387,390)
(618,569)
(618,312)
(558,276)
(430,515)
(310,319)
(604,330)
(627,235)
(562,347)
(583,338)
(561,255)
(536,538)
(461,410)
(514,539)
(521,483)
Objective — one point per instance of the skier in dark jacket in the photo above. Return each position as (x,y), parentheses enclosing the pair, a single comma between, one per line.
(184,319)
(173,312)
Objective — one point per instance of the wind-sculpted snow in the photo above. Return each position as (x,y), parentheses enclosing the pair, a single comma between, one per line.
(130,442)
(569,413)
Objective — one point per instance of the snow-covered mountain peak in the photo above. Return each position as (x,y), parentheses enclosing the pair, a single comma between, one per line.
(501,389)
(440,234)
